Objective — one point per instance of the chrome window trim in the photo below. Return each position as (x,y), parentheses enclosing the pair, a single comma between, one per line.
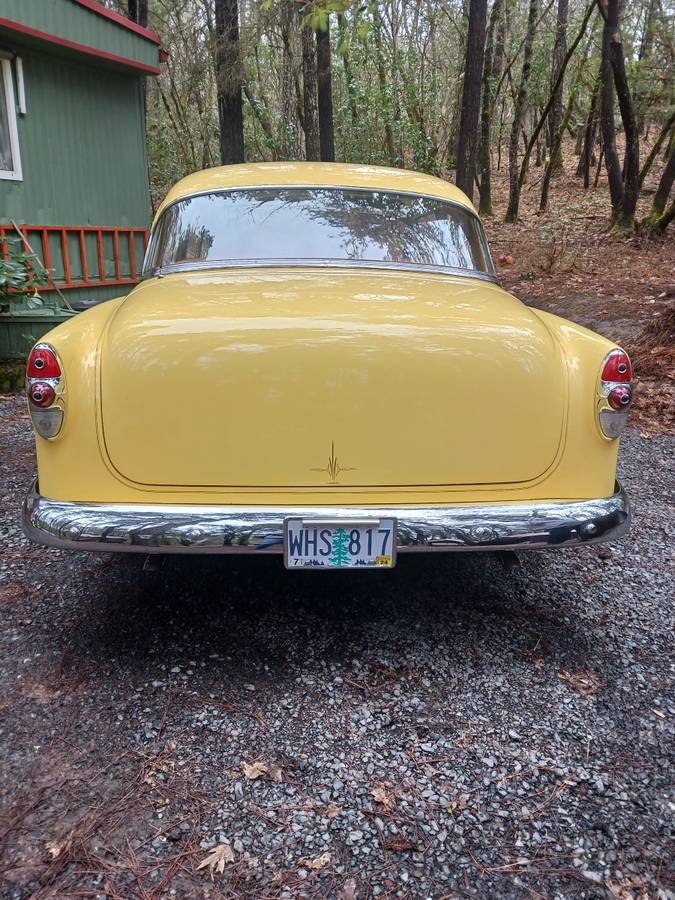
(158,271)
(200,266)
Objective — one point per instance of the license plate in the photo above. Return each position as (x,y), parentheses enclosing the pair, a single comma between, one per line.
(332,544)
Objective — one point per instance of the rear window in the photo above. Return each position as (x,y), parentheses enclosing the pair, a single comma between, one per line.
(319,225)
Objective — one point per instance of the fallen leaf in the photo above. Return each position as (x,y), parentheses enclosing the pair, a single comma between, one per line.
(254,770)
(217,859)
(659,713)
(465,740)
(11,592)
(632,888)
(348,891)
(399,844)
(459,804)
(587,683)
(319,863)
(157,767)
(383,798)
(333,810)
(56,848)
(40,693)
(258,769)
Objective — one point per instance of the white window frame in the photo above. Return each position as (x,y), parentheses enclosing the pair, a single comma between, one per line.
(14,174)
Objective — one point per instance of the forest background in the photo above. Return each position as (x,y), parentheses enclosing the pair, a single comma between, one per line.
(557,117)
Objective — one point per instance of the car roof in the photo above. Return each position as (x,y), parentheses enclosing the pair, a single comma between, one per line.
(288,174)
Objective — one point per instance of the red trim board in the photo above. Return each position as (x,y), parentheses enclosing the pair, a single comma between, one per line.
(81,48)
(119,19)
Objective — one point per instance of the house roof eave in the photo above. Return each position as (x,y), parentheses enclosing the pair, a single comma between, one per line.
(119,19)
(43,36)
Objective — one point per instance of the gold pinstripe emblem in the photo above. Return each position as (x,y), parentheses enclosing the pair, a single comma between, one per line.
(333,468)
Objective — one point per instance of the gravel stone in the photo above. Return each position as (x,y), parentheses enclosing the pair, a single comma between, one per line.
(462,726)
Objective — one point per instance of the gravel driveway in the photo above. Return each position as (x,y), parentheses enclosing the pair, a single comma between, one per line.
(463,725)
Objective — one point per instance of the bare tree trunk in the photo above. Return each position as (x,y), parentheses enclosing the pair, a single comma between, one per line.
(382,83)
(468,122)
(521,100)
(644,55)
(441,132)
(670,145)
(661,224)
(590,135)
(228,80)
(502,31)
(559,51)
(310,102)
(290,86)
(562,126)
(490,64)
(656,215)
(349,75)
(542,119)
(625,218)
(501,135)
(578,140)
(262,117)
(137,11)
(392,13)
(325,92)
(540,156)
(598,168)
(647,40)
(612,162)
(653,153)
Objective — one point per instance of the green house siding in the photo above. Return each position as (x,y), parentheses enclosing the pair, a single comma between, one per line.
(82,147)
(73,22)
(83,156)
(81,141)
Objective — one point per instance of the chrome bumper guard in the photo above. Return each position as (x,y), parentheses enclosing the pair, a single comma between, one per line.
(159,528)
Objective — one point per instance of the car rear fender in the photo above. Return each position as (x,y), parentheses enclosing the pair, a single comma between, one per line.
(589,458)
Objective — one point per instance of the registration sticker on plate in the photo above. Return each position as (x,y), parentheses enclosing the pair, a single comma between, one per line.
(336,544)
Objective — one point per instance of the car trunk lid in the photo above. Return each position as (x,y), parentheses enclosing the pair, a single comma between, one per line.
(307,378)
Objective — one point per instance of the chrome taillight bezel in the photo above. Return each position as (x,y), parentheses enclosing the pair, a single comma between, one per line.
(47,420)
(611,421)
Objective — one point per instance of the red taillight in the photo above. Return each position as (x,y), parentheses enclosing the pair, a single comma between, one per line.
(42,363)
(614,393)
(44,379)
(617,367)
(619,397)
(41,394)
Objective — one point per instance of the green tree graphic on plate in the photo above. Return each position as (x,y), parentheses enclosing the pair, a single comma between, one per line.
(340,555)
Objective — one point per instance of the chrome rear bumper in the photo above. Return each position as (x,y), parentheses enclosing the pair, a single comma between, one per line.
(159,528)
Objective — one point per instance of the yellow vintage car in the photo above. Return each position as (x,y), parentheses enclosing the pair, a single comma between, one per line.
(319,362)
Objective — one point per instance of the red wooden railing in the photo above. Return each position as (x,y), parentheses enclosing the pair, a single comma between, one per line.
(81,257)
